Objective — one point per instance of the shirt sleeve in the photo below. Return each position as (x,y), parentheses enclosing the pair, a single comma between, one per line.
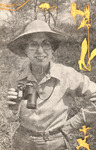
(12,83)
(81,86)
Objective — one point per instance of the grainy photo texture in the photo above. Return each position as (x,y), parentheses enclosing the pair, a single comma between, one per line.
(47,78)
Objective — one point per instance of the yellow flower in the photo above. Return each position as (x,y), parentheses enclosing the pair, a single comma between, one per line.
(83,54)
(87,13)
(83,23)
(75,12)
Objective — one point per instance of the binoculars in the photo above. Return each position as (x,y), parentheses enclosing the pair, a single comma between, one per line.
(28,93)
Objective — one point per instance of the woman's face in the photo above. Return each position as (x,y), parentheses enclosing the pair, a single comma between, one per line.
(39,49)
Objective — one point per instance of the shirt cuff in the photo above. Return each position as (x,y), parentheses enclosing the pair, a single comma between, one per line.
(77,121)
(89,116)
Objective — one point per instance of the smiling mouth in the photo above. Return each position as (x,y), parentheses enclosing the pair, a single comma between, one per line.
(40,57)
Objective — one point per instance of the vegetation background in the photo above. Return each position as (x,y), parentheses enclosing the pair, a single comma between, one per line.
(12,24)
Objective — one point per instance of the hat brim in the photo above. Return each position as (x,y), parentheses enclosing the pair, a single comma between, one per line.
(18,45)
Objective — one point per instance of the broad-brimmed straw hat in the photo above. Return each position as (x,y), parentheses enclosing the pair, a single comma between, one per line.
(17,45)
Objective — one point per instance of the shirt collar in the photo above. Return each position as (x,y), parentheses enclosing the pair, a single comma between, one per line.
(55,71)
(26,72)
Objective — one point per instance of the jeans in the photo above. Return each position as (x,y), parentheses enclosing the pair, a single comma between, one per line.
(25,141)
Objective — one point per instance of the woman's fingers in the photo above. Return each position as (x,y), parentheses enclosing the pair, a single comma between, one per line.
(12,89)
(11,102)
(12,94)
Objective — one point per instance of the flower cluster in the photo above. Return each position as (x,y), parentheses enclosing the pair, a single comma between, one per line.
(86,22)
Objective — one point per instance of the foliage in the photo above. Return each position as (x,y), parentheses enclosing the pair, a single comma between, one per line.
(68,53)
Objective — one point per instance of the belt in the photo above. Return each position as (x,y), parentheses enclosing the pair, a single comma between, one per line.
(44,134)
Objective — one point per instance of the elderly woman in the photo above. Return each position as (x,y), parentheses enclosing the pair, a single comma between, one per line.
(49,89)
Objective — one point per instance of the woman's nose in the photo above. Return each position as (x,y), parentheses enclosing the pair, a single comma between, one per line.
(40,49)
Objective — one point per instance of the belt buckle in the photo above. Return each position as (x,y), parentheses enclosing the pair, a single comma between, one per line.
(46,136)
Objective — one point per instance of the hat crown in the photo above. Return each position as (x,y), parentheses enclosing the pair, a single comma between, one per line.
(18,45)
(37,26)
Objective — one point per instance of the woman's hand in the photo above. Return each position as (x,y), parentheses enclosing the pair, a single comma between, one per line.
(12,96)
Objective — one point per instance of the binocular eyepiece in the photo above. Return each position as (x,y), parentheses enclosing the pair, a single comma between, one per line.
(28,93)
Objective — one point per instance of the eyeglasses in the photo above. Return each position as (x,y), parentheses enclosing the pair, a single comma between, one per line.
(46,45)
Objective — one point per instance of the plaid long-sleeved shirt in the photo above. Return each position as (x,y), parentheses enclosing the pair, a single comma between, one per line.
(57,91)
